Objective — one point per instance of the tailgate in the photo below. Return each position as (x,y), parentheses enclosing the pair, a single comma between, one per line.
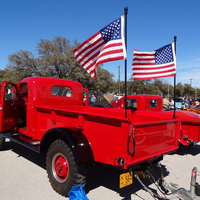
(148,141)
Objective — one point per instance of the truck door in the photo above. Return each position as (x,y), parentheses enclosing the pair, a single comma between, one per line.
(9,106)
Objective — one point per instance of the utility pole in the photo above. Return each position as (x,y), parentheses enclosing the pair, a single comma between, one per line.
(119,80)
(191,82)
(196,93)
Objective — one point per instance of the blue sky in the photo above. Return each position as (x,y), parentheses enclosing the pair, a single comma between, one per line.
(151,24)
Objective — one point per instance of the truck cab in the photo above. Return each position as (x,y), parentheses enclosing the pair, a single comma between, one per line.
(18,100)
(147,103)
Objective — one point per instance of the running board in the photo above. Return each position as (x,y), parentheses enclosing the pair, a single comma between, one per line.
(33,145)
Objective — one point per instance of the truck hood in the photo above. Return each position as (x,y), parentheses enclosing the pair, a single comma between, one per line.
(183,114)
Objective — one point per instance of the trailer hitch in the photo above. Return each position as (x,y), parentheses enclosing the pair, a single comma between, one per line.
(181,193)
(171,188)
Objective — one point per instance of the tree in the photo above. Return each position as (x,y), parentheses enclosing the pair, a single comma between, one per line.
(188,91)
(55,59)
(103,82)
(21,65)
(2,73)
(179,90)
(160,87)
(141,87)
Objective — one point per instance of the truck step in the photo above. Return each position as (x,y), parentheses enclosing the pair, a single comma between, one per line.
(35,142)
(23,130)
(34,145)
(16,134)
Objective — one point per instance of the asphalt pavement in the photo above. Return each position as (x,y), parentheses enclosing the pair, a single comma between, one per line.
(23,176)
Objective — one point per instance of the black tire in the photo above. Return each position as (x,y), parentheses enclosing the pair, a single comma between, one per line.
(62,170)
(2,142)
(102,104)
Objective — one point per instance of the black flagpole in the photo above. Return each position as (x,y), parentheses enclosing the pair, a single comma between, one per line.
(125,62)
(174,116)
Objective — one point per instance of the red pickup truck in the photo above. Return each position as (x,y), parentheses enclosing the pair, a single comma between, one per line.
(151,105)
(49,114)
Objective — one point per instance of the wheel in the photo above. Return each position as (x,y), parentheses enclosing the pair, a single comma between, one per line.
(62,170)
(2,142)
(102,104)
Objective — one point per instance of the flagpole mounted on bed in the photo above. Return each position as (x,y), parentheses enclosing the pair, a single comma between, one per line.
(174,116)
(125,61)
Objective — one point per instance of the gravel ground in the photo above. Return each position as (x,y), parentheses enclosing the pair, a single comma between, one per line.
(23,176)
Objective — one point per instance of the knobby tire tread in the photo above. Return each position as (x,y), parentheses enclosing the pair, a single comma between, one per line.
(76,177)
(102,104)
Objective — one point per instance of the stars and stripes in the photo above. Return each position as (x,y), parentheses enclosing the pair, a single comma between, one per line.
(106,45)
(154,64)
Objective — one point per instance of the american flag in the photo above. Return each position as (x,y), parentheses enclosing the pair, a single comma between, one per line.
(106,45)
(154,64)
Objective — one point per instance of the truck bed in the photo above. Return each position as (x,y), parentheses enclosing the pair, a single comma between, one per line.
(109,133)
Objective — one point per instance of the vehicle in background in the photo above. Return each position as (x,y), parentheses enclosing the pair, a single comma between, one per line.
(150,105)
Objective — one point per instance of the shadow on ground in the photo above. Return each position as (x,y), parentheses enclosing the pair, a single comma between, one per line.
(38,159)
(109,178)
(192,150)
(102,176)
